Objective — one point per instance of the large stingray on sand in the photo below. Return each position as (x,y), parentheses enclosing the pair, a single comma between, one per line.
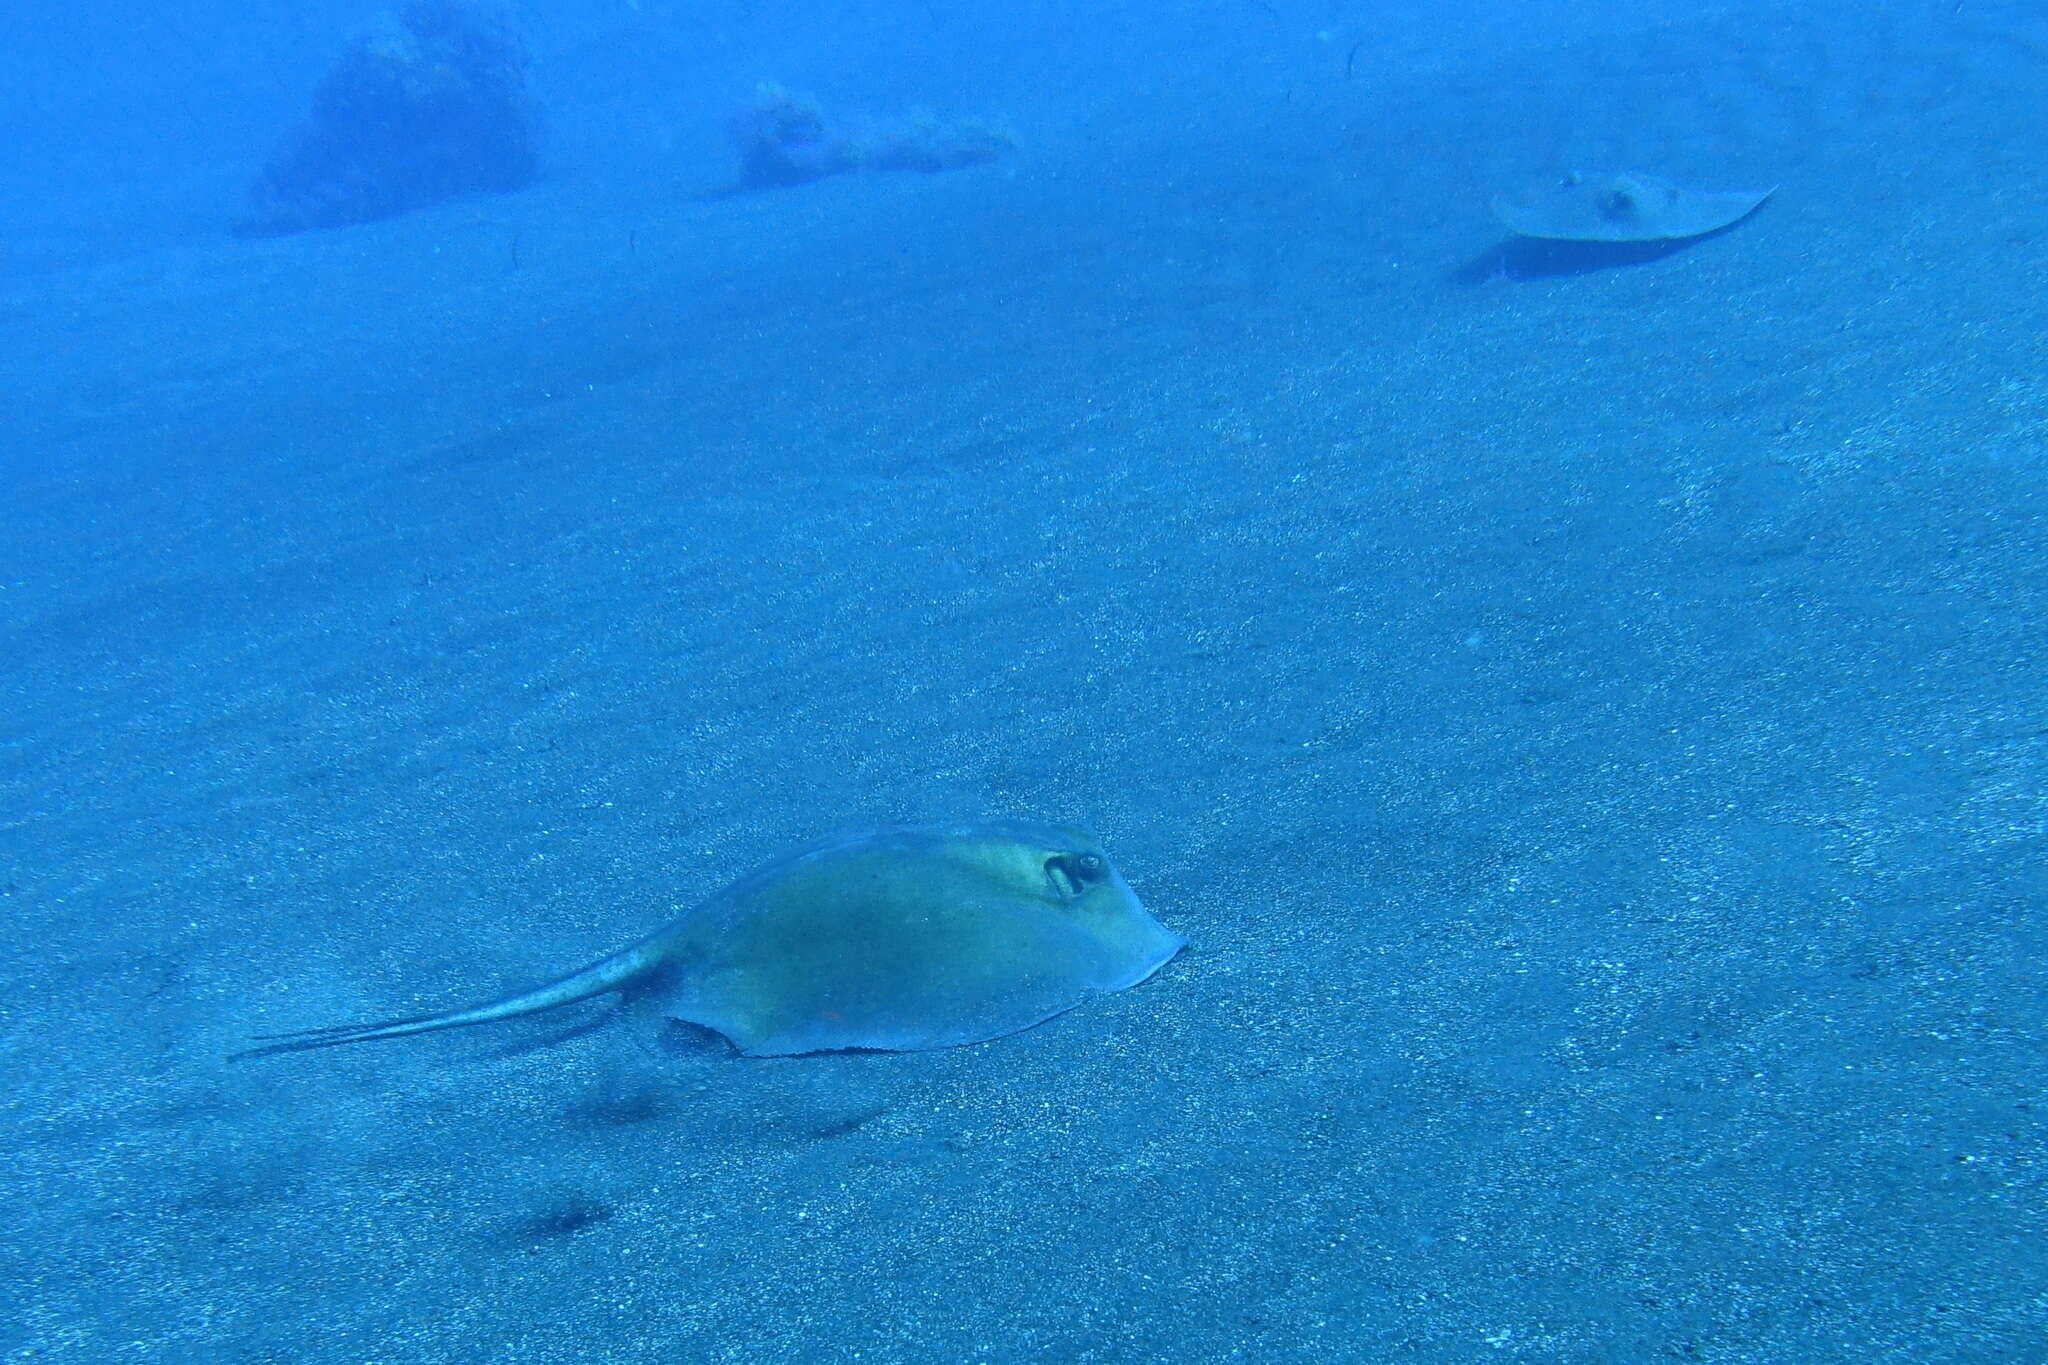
(899,939)
(1628,207)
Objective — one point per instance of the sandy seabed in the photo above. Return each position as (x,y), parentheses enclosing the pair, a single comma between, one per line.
(1588,723)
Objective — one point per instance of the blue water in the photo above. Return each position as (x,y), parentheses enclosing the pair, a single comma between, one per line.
(1589,722)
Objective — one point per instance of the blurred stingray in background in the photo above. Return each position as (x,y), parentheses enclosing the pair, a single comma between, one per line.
(900,939)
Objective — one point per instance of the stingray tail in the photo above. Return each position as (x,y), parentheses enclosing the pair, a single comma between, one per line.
(620,969)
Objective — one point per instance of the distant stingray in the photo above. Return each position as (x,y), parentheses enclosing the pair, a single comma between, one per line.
(1625,208)
(901,939)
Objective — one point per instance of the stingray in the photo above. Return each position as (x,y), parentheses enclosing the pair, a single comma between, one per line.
(900,939)
(1625,208)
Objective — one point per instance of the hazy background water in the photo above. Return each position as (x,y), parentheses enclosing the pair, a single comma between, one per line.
(1588,724)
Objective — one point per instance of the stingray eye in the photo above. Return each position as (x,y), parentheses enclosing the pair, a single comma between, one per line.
(1069,874)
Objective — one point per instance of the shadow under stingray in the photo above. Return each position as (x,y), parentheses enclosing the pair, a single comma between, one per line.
(1540,258)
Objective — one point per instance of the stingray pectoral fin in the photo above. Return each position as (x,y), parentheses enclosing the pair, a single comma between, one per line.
(620,969)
